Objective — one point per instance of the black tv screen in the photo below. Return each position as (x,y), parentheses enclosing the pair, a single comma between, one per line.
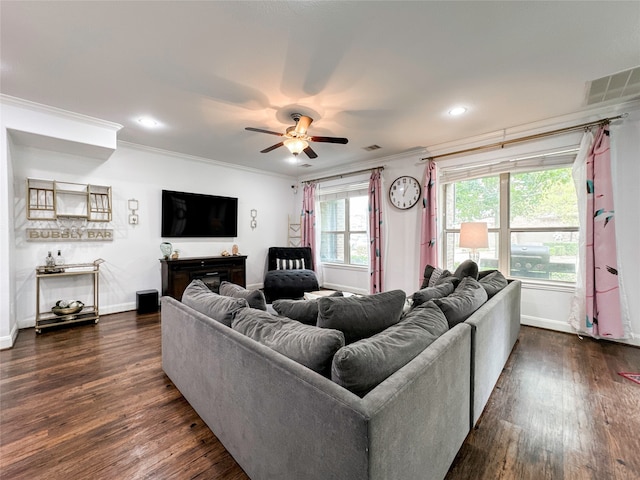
(197,215)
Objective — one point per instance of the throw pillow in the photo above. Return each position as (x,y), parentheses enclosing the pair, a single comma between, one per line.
(431,293)
(362,365)
(493,283)
(255,298)
(465,300)
(432,274)
(305,311)
(198,296)
(468,268)
(361,317)
(290,264)
(310,346)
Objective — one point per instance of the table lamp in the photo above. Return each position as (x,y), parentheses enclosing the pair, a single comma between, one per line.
(474,235)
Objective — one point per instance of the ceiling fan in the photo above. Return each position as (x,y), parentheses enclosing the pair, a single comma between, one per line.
(296,137)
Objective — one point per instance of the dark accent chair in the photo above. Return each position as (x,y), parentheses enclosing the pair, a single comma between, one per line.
(289,283)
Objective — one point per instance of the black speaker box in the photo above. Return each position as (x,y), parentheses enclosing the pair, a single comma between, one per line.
(147,301)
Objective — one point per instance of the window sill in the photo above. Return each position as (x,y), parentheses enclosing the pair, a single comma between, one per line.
(344,266)
(547,286)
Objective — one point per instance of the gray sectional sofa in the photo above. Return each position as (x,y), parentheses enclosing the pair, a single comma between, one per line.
(282,420)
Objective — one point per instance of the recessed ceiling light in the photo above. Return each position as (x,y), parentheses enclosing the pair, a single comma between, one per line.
(148,122)
(457,111)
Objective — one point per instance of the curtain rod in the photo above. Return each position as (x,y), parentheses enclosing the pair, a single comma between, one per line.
(527,138)
(342,175)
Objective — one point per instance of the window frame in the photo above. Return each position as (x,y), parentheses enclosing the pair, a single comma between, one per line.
(347,232)
(505,231)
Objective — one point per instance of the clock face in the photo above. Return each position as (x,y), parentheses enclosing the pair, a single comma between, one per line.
(404,192)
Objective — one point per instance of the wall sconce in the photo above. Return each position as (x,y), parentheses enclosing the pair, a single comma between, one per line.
(474,235)
(254,218)
(133,206)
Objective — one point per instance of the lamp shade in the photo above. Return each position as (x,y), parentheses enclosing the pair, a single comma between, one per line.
(474,235)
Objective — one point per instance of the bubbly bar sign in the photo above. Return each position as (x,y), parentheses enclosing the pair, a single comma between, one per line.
(88,235)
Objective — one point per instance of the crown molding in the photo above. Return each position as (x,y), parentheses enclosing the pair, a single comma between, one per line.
(58,112)
(417,152)
(193,158)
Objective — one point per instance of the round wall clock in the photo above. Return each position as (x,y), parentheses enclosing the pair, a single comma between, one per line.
(404,192)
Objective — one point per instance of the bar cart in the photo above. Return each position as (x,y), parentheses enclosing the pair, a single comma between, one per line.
(47,319)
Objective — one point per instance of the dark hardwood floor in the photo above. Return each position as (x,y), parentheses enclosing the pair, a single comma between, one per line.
(92,402)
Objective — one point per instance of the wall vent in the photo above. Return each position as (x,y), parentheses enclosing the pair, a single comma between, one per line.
(612,87)
(372,147)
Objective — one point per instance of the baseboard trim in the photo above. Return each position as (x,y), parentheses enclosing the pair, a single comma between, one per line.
(8,340)
(559,326)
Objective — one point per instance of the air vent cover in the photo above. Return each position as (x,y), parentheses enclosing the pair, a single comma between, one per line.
(372,147)
(612,87)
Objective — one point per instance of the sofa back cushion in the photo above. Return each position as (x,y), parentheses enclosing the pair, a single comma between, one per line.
(466,299)
(255,298)
(199,297)
(304,311)
(361,317)
(468,268)
(310,346)
(431,293)
(493,282)
(362,365)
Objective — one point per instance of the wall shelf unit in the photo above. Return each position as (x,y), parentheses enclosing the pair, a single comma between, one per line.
(54,200)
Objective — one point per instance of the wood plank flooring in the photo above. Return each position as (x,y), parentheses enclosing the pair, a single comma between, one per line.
(92,402)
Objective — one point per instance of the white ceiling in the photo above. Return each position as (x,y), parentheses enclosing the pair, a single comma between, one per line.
(383,72)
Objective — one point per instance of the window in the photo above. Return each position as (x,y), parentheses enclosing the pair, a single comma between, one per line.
(343,226)
(532,217)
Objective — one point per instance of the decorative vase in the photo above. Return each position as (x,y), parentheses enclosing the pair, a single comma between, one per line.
(166,248)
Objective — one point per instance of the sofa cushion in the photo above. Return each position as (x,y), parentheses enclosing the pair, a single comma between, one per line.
(310,346)
(255,298)
(432,275)
(431,293)
(305,311)
(484,273)
(493,283)
(362,365)
(199,297)
(361,317)
(468,268)
(465,300)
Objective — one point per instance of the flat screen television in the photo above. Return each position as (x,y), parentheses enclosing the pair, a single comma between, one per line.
(197,215)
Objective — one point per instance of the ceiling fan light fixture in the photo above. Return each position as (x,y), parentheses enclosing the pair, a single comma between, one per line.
(296,145)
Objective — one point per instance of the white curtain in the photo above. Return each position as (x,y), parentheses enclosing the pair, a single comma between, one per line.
(579,303)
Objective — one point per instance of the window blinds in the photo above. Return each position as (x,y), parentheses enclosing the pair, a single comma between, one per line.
(336,192)
(457,173)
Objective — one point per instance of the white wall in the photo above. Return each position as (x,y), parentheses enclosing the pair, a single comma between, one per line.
(132,258)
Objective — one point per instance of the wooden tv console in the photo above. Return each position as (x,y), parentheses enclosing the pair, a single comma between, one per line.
(177,274)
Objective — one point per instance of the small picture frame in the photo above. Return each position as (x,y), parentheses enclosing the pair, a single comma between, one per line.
(133,219)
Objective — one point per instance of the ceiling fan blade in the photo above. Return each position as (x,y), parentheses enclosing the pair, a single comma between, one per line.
(329,139)
(303,124)
(272,147)
(260,130)
(310,153)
